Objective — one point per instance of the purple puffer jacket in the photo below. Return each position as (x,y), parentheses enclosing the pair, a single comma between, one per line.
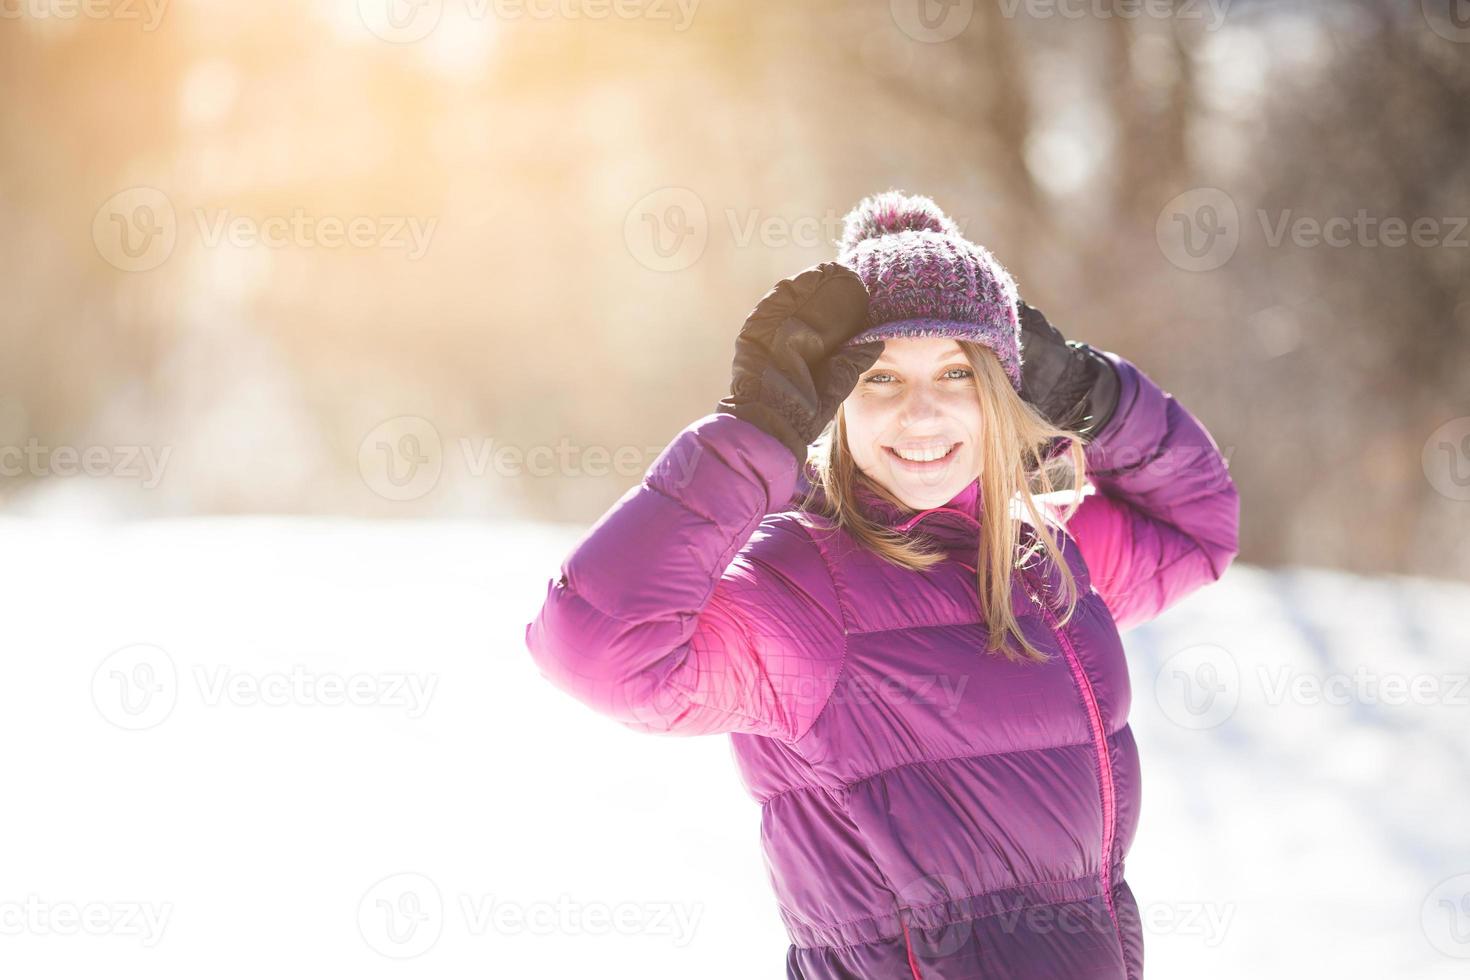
(928,811)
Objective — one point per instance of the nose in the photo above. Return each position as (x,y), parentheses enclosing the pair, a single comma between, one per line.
(920,403)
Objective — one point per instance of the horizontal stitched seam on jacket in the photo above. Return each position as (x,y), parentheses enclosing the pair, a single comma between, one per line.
(917,626)
(919,762)
(790,789)
(962,758)
(960,898)
(1019,884)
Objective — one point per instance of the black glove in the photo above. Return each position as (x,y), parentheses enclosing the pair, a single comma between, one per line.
(1069,382)
(790,370)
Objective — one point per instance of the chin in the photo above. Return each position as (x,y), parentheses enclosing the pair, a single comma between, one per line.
(924,497)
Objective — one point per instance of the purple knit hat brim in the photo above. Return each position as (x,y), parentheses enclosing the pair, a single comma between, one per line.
(998,338)
(925,279)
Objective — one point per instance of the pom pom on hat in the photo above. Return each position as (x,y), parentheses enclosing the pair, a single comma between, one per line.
(892,212)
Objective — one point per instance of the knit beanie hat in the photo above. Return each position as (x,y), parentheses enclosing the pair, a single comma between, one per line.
(925,279)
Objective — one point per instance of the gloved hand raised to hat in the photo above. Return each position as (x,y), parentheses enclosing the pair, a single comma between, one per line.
(1069,382)
(791,371)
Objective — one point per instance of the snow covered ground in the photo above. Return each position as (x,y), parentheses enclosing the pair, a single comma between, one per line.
(302,747)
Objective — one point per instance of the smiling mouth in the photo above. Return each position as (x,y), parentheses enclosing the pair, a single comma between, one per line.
(939,461)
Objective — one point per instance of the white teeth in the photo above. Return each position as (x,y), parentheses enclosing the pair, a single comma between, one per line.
(924,455)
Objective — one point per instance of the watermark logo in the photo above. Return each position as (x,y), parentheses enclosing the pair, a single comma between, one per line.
(402,458)
(400,21)
(136,687)
(1198,230)
(932,21)
(667,229)
(135,229)
(1450,19)
(1445,916)
(401,916)
(1446,459)
(1198,687)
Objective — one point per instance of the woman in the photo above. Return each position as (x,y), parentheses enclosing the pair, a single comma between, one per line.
(927,693)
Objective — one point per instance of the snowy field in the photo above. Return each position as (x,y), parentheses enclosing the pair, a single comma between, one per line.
(272,747)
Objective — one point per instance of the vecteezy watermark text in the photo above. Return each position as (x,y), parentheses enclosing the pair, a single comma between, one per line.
(409,21)
(137,687)
(136,230)
(667,230)
(403,458)
(1200,230)
(149,13)
(403,915)
(34,916)
(145,463)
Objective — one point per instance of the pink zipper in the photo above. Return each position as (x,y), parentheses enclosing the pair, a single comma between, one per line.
(1104,761)
(1099,741)
(909,948)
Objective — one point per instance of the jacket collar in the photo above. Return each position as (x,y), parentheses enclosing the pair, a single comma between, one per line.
(963,508)
(955,525)
(961,512)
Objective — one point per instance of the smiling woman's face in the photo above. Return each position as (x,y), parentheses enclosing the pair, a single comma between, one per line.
(918,400)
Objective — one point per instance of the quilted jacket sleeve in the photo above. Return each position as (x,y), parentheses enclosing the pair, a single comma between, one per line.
(1166,516)
(688,608)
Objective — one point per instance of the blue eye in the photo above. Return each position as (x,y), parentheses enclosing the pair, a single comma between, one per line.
(963,375)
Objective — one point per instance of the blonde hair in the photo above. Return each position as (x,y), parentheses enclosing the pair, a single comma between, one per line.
(1011,466)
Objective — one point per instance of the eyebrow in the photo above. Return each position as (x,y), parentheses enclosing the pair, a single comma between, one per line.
(958,361)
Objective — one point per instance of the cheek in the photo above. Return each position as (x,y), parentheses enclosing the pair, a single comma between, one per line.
(966,409)
(864,419)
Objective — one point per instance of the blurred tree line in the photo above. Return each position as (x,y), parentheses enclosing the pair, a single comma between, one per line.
(1092,151)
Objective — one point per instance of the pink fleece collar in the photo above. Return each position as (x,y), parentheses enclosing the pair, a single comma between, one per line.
(966,503)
